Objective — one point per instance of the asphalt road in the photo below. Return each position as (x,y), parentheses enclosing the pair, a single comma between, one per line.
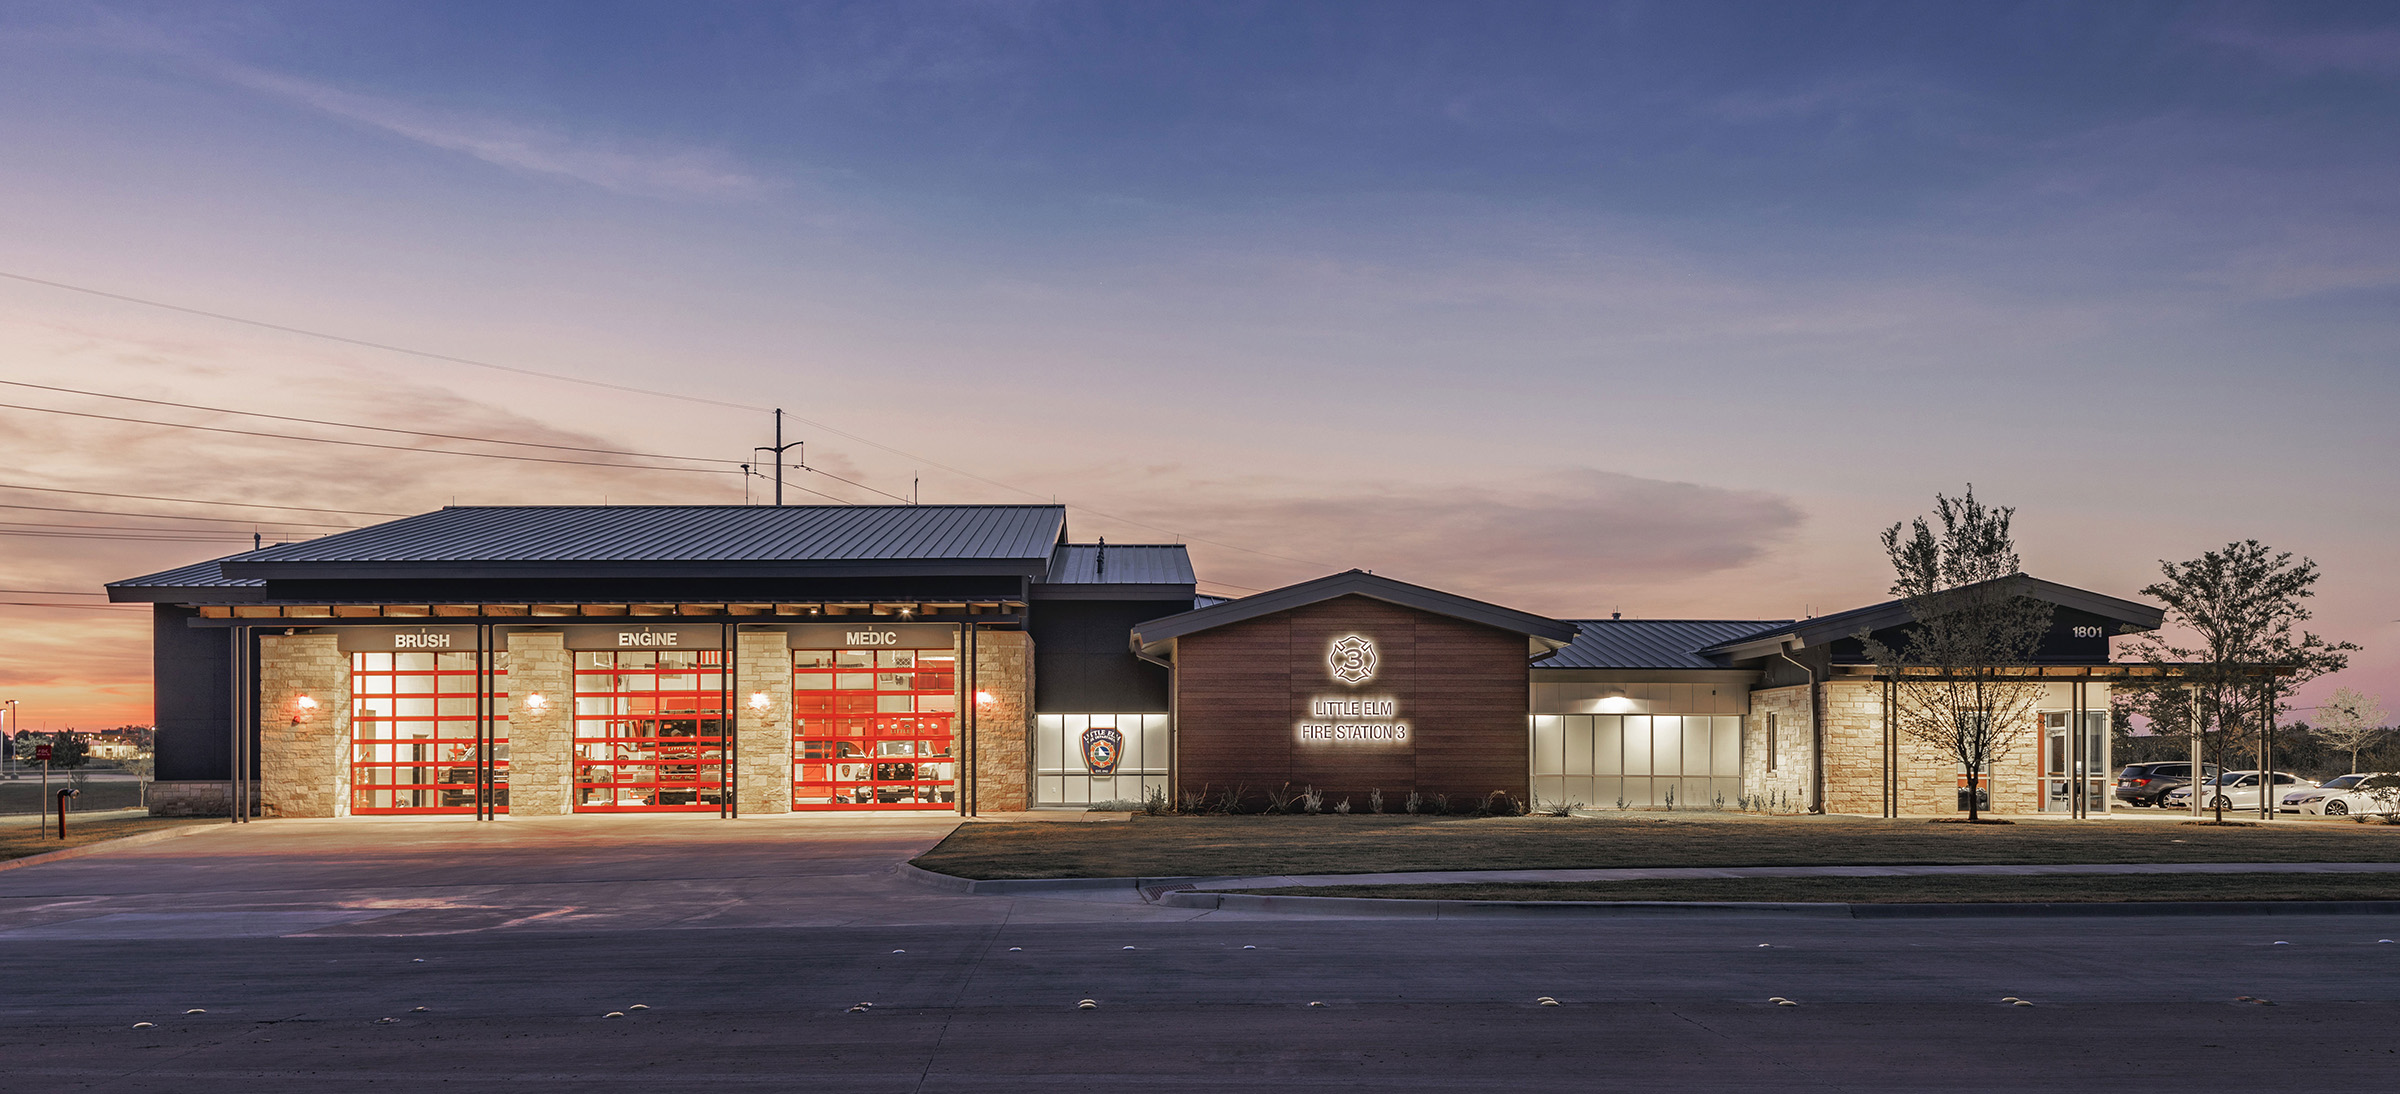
(748,943)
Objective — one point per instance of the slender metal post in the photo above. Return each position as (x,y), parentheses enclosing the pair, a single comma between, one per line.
(778,455)
(729,780)
(2266,753)
(971,749)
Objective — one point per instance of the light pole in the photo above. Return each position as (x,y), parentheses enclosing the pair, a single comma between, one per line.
(8,756)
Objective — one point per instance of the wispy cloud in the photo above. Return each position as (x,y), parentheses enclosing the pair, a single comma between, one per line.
(1562,541)
(645,169)
(2370,51)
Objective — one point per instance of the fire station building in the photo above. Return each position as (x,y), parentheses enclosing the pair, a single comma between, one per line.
(747,660)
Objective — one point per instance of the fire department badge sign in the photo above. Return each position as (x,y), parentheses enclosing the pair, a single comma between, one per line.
(1352,659)
(1102,748)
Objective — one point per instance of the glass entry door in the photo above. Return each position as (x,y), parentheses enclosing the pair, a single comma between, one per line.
(2069,757)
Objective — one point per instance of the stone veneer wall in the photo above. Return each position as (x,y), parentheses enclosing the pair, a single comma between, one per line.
(192,798)
(763,742)
(1928,774)
(1790,778)
(541,742)
(302,769)
(1004,730)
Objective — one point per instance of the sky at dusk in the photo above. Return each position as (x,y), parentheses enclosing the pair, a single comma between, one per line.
(1660,308)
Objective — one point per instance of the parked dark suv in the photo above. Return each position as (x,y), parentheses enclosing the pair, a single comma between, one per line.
(2147,784)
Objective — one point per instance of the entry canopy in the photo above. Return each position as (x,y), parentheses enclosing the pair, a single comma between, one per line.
(2120,616)
(1543,634)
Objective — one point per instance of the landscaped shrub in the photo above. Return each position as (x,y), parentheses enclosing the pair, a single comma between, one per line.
(1375,800)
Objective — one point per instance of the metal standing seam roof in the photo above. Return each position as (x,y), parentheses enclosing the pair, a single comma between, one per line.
(1126,564)
(1651,643)
(1542,633)
(1893,613)
(688,533)
(198,575)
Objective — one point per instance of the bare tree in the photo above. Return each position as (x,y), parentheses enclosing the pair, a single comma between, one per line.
(2243,605)
(1959,668)
(2350,720)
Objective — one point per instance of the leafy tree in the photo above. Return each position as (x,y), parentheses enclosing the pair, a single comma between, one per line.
(2243,607)
(2350,720)
(67,751)
(1960,686)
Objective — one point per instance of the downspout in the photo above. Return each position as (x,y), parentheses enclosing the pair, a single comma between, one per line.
(1816,737)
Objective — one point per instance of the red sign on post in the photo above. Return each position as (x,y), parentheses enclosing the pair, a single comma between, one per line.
(41,754)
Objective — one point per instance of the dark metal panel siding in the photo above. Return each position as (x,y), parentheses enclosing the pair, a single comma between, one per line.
(192,705)
(1648,643)
(1084,662)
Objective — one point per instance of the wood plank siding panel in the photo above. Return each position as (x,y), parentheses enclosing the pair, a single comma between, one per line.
(1241,690)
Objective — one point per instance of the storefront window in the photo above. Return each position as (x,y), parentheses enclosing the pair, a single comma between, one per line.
(874,729)
(1637,761)
(1063,774)
(649,731)
(412,732)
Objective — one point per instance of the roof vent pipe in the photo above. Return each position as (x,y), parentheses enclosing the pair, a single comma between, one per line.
(1100,559)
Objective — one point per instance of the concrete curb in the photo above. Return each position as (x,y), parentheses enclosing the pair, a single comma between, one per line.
(1180,892)
(135,840)
(1393,908)
(917,875)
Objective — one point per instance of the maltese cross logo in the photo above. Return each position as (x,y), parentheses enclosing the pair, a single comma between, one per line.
(1353,660)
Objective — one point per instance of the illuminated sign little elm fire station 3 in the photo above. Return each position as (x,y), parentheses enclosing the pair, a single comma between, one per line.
(1352,720)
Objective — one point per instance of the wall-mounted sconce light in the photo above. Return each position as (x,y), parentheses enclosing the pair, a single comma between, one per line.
(759,700)
(536,701)
(985,699)
(303,708)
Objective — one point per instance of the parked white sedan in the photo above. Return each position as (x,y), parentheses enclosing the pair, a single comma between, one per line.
(2235,790)
(2340,796)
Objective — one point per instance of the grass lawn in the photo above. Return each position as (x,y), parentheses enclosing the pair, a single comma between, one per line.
(1186,846)
(18,841)
(1909,890)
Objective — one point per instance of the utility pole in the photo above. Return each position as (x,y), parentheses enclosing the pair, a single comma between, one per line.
(778,450)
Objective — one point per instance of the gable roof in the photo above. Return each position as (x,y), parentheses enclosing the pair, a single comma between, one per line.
(1543,633)
(1894,613)
(1651,643)
(691,539)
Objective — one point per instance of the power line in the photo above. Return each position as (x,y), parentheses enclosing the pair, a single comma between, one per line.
(194,501)
(376,428)
(76,607)
(54,526)
(370,444)
(384,346)
(175,516)
(121,536)
(387,347)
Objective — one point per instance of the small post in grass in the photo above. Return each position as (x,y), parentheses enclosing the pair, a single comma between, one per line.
(63,794)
